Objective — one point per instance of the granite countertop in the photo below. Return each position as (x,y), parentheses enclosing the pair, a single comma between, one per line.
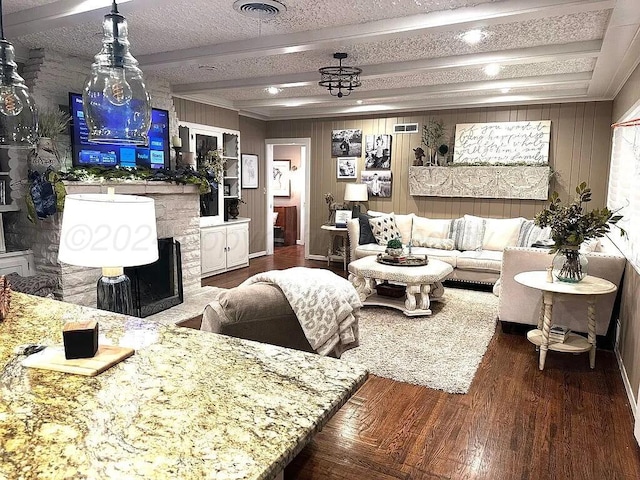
(187,404)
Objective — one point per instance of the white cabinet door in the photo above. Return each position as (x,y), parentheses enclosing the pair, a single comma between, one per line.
(237,245)
(19,262)
(213,243)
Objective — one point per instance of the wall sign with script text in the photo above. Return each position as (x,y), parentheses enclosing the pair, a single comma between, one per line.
(503,143)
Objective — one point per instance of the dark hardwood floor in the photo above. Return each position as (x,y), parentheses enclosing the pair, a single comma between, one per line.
(566,422)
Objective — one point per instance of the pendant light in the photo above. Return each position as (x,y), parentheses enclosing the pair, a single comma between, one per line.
(18,115)
(117,107)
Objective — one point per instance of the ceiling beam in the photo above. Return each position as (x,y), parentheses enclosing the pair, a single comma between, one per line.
(429,90)
(433,22)
(515,56)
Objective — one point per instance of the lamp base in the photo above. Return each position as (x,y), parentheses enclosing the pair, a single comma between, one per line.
(114,294)
(355,210)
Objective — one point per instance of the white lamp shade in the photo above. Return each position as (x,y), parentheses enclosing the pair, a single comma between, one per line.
(101,230)
(356,192)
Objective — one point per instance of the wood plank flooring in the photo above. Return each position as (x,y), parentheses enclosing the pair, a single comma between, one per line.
(566,422)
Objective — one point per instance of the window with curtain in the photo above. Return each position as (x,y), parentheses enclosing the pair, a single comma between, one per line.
(624,186)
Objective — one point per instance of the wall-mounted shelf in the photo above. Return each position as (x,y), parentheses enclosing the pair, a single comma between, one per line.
(519,182)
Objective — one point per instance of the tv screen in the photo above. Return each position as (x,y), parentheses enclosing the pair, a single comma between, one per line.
(87,154)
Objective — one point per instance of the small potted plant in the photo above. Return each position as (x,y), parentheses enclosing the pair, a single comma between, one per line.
(51,123)
(394,247)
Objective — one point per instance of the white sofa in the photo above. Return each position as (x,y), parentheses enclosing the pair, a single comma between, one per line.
(484,239)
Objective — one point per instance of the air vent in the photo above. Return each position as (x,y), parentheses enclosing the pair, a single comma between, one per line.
(405,128)
(264,10)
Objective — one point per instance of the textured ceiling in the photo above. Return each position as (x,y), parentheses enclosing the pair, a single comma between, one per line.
(410,51)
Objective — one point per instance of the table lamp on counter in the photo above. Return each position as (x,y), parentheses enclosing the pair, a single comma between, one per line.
(356,193)
(111,232)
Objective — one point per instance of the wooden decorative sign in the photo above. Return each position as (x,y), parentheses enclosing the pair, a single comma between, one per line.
(503,143)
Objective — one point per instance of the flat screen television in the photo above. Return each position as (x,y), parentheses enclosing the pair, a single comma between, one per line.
(87,154)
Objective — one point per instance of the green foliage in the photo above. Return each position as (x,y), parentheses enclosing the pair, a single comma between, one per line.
(432,133)
(571,225)
(394,243)
(52,122)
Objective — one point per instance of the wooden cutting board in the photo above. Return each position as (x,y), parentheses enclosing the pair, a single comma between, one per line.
(52,358)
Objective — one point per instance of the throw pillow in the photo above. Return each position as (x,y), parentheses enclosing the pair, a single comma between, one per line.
(530,233)
(434,228)
(457,232)
(473,233)
(366,235)
(384,228)
(404,224)
(500,233)
(432,242)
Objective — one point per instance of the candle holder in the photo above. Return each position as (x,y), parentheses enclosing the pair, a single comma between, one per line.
(178,151)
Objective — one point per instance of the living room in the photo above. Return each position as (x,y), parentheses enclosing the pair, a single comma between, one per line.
(580,150)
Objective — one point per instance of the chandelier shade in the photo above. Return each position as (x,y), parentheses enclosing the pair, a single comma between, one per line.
(18,114)
(116,103)
(340,80)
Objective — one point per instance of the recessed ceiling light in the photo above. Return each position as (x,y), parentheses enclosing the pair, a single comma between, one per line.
(473,37)
(359,102)
(259,9)
(492,69)
(505,90)
(273,90)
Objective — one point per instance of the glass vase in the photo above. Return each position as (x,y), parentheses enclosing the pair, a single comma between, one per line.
(569,265)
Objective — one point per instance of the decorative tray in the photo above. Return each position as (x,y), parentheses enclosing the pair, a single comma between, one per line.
(404,261)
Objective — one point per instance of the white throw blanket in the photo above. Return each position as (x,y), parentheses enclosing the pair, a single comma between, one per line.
(323,302)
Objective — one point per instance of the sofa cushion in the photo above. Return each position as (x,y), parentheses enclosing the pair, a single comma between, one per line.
(384,228)
(404,224)
(432,242)
(530,233)
(467,232)
(366,235)
(500,233)
(434,228)
(483,260)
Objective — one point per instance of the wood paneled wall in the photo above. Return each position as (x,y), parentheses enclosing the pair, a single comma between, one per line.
(195,112)
(579,151)
(252,136)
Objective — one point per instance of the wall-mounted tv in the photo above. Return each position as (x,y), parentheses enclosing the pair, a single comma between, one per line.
(87,154)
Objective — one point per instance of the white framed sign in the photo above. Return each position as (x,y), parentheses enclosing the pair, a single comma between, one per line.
(503,143)
(342,217)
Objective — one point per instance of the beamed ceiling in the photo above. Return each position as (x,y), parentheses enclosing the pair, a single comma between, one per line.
(411,52)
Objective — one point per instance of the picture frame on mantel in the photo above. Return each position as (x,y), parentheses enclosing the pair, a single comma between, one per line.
(249,170)
(280,183)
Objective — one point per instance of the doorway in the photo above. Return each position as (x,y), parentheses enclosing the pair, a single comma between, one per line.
(293,184)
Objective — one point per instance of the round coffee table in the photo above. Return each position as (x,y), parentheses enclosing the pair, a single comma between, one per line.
(424,281)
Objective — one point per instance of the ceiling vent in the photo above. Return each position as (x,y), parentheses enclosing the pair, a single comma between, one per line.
(405,128)
(264,9)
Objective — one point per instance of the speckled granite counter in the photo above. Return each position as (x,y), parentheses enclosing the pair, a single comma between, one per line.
(187,405)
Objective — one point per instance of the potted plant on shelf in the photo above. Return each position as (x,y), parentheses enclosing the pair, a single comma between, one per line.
(432,133)
(394,247)
(51,123)
(570,226)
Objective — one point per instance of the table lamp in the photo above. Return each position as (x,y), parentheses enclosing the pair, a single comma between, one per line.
(111,232)
(356,192)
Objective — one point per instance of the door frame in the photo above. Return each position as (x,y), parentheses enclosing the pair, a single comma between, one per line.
(305,159)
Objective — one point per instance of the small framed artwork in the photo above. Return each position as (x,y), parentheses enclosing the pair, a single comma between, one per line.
(346,167)
(378,182)
(227,190)
(346,142)
(342,217)
(249,170)
(280,184)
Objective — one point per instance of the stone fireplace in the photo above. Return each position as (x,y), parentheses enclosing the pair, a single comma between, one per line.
(177,216)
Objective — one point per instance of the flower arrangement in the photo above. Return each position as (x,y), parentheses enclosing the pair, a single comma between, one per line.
(570,226)
(52,122)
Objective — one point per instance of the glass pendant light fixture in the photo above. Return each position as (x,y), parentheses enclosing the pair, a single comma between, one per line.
(18,115)
(117,107)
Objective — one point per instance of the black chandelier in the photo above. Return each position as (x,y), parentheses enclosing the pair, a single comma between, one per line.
(340,80)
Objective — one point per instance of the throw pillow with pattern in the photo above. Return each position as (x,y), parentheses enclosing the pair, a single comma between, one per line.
(384,228)
(433,242)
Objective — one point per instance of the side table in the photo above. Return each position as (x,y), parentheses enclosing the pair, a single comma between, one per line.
(589,287)
(338,244)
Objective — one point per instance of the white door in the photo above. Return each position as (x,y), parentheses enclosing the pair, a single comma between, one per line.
(213,242)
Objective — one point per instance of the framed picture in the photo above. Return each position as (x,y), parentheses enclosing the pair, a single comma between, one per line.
(342,217)
(280,184)
(346,167)
(378,182)
(227,190)
(249,170)
(345,143)
(377,152)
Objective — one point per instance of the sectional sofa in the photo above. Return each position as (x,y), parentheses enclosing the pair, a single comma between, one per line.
(472,245)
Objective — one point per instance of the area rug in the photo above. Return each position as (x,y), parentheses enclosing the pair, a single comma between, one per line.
(441,351)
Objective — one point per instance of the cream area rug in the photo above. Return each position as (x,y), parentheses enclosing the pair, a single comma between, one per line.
(441,351)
